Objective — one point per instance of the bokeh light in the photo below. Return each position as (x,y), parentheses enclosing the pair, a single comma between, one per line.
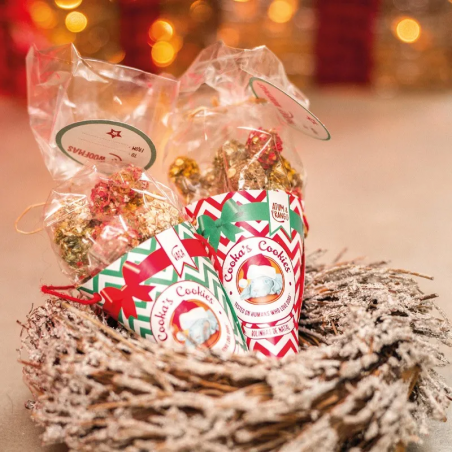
(281,11)
(43,15)
(163,53)
(117,56)
(200,11)
(68,4)
(161,30)
(76,22)
(408,30)
(246,11)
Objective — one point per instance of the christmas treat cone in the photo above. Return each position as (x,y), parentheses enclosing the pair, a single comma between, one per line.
(125,243)
(258,237)
(167,290)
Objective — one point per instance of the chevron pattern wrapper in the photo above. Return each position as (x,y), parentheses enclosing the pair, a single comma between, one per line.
(258,236)
(167,290)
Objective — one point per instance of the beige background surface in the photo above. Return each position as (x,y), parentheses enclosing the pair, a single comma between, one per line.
(382,187)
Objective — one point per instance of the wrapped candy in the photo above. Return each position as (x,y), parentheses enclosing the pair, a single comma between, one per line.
(235,163)
(184,174)
(123,240)
(266,145)
(239,139)
(98,218)
(255,163)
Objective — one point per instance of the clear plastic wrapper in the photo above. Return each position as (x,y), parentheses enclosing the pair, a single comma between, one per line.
(104,212)
(224,138)
(85,111)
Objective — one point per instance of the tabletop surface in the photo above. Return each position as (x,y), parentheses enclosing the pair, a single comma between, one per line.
(382,187)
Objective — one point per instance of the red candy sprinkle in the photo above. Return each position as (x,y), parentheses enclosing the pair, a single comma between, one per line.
(266,145)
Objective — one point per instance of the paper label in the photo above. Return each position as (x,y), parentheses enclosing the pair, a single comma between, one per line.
(175,250)
(259,278)
(278,203)
(291,111)
(188,313)
(96,141)
(280,329)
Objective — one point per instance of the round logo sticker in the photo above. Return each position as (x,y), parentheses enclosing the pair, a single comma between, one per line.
(188,313)
(100,140)
(259,277)
(267,272)
(291,111)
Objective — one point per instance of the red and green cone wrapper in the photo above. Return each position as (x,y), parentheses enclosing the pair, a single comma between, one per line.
(258,236)
(167,290)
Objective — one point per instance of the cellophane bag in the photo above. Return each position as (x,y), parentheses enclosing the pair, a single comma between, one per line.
(85,111)
(226,139)
(125,242)
(235,162)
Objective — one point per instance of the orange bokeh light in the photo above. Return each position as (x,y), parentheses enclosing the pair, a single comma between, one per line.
(68,4)
(163,53)
(229,35)
(76,22)
(161,30)
(43,15)
(408,30)
(200,11)
(281,11)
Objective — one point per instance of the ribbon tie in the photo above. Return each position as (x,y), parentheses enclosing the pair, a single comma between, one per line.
(212,229)
(136,274)
(115,299)
(231,213)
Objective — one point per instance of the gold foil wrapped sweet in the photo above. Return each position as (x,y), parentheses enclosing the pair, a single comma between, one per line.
(246,175)
(184,174)
(74,231)
(256,164)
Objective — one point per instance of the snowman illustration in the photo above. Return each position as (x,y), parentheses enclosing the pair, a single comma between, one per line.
(194,324)
(260,279)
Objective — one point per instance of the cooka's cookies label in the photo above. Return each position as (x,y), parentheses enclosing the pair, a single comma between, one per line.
(259,277)
(258,237)
(167,290)
(188,313)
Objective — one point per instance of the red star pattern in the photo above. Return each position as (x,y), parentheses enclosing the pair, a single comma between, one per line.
(114,133)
